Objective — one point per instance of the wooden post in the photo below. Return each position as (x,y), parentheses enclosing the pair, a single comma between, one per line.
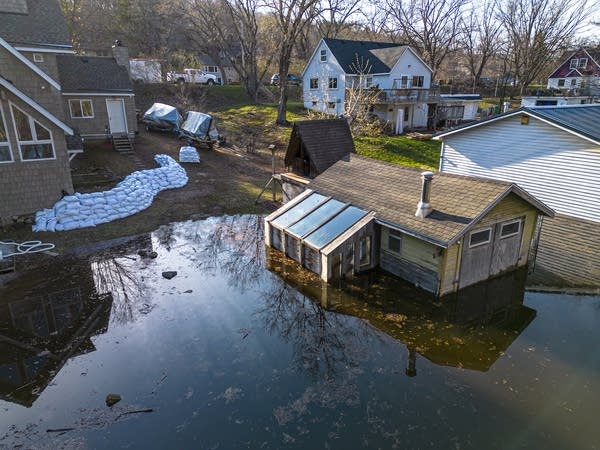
(272,148)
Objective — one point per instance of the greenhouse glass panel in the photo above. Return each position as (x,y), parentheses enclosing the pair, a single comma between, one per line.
(336,226)
(316,218)
(299,210)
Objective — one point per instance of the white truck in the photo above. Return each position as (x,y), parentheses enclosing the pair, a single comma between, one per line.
(191,76)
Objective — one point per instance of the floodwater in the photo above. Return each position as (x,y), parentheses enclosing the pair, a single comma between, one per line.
(241,349)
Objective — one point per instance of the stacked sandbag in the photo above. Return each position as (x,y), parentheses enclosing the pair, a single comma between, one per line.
(132,195)
(188,155)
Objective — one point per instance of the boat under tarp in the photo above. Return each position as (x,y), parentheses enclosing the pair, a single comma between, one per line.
(162,117)
(199,127)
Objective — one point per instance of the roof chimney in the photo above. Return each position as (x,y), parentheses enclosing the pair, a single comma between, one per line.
(121,55)
(424,208)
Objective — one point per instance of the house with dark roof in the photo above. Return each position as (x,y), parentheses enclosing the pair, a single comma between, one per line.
(554,153)
(579,70)
(440,232)
(397,80)
(49,99)
(224,72)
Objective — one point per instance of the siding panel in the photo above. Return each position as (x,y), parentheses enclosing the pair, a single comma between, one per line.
(555,166)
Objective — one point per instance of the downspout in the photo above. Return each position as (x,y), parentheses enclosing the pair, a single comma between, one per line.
(441,168)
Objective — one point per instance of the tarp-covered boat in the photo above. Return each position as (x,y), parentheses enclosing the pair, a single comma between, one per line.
(199,127)
(162,117)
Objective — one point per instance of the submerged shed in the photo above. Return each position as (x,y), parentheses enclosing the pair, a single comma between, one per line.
(441,232)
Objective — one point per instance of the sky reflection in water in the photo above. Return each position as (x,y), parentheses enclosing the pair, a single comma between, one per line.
(229,354)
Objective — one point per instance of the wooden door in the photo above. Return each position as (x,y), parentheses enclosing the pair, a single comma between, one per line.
(476,256)
(507,246)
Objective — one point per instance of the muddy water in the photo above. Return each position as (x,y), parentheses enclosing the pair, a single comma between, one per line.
(241,349)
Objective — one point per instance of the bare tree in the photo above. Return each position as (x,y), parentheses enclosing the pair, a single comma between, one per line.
(432,26)
(480,38)
(537,30)
(336,16)
(291,17)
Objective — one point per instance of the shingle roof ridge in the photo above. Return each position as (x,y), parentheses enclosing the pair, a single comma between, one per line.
(437,173)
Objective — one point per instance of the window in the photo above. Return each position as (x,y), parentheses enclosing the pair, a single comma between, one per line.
(418,80)
(35,140)
(81,109)
(582,63)
(314,103)
(333,83)
(323,55)
(510,229)
(574,63)
(314,83)
(211,69)
(5,152)
(561,82)
(480,237)
(368,81)
(573,81)
(394,243)
(38,57)
(365,251)
(331,105)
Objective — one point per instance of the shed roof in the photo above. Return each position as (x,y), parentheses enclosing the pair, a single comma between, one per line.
(326,141)
(380,56)
(42,24)
(393,191)
(580,120)
(92,74)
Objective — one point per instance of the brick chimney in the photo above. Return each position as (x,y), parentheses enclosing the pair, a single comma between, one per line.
(121,55)
(423,207)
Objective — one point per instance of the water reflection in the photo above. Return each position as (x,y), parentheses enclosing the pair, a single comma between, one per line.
(43,323)
(470,329)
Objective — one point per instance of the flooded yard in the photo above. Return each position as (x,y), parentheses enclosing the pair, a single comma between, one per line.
(242,349)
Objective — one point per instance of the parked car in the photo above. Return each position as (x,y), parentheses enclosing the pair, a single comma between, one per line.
(192,76)
(292,79)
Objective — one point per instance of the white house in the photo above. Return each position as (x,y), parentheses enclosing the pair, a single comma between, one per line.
(401,80)
(145,70)
(553,153)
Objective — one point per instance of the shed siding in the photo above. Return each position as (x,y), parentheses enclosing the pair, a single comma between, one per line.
(555,166)
(95,128)
(449,269)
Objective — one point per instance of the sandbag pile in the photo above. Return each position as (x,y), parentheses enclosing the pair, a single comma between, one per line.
(132,195)
(188,155)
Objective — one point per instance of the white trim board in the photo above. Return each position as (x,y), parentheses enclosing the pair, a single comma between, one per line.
(29,64)
(43,111)
(96,94)
(45,50)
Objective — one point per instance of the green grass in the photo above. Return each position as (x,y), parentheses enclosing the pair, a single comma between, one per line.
(400,150)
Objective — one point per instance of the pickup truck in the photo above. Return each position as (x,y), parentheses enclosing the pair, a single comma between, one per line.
(191,76)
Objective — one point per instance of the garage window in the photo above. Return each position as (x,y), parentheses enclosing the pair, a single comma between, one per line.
(510,229)
(394,241)
(81,109)
(480,237)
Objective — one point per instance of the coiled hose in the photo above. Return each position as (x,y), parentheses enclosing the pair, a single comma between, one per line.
(23,248)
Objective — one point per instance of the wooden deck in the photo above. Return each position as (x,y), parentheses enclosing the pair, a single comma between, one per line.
(568,254)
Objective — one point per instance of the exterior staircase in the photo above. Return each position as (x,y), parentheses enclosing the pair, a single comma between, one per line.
(122,144)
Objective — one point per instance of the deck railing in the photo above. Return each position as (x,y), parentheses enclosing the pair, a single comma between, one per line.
(409,95)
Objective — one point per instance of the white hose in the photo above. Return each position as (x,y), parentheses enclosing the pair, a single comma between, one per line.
(24,248)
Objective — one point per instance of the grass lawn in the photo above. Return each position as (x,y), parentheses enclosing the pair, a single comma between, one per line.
(400,150)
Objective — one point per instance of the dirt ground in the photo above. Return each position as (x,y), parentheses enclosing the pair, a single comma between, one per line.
(227,181)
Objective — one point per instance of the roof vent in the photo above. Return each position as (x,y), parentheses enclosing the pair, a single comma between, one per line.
(423,207)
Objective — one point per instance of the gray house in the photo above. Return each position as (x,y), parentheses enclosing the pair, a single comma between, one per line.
(43,104)
(554,153)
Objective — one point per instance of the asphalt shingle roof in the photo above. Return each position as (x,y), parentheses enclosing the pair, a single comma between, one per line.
(326,141)
(380,57)
(393,191)
(43,24)
(92,74)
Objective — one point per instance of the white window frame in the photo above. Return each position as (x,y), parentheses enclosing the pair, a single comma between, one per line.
(310,80)
(481,230)
(323,55)
(582,63)
(368,81)
(564,81)
(33,135)
(329,80)
(331,105)
(397,235)
(38,58)
(80,100)
(207,69)
(365,249)
(573,66)
(519,221)
(7,143)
